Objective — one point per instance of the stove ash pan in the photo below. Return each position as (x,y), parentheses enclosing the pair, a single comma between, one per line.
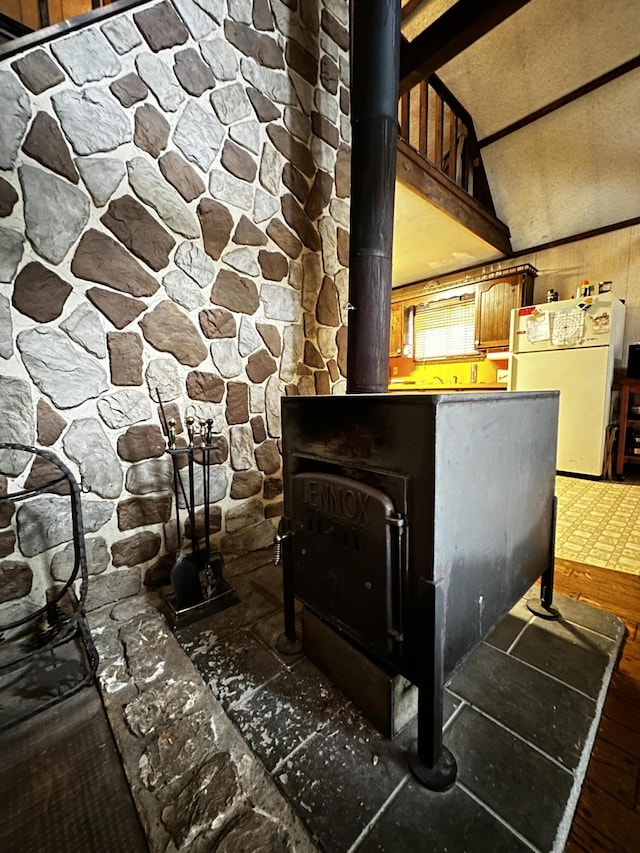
(412,525)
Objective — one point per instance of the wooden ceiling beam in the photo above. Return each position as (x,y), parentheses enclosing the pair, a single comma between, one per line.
(591,86)
(409,7)
(456,29)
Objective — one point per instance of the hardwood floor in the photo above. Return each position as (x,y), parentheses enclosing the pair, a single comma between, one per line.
(608,814)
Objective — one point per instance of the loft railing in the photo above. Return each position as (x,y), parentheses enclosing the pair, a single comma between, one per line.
(436,125)
(10,29)
(42,22)
(38,14)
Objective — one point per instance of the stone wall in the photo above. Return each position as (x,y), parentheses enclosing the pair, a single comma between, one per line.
(174,221)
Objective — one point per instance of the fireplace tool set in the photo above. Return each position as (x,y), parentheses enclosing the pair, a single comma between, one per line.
(199,587)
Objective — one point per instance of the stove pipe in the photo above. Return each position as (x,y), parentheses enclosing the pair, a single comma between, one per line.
(375,60)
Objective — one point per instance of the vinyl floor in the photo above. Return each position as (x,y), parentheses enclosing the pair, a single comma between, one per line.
(599,523)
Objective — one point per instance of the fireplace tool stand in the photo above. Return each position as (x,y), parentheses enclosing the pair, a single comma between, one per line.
(197,578)
(48,654)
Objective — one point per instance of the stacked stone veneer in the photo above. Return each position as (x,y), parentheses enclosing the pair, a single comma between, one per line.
(174,221)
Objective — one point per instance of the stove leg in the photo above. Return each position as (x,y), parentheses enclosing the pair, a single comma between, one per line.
(434,766)
(544,607)
(287,643)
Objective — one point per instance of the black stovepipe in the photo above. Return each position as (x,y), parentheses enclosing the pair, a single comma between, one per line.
(375,61)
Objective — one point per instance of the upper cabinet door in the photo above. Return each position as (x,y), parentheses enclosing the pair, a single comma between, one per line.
(395,337)
(494,302)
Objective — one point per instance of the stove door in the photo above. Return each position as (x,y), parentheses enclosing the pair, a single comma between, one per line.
(348,558)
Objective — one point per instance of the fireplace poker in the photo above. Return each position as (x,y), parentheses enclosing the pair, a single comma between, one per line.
(205,478)
(185,574)
(195,547)
(170,430)
(176,473)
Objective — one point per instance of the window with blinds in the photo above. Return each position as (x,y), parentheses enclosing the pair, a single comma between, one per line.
(445,326)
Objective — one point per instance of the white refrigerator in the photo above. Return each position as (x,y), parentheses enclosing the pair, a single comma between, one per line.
(571,346)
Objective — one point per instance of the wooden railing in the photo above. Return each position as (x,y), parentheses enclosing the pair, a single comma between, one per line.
(436,125)
(38,14)
(33,28)
(11,29)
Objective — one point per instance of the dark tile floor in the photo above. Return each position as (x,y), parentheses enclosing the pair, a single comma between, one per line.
(521,715)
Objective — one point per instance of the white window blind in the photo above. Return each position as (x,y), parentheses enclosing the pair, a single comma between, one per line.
(445,326)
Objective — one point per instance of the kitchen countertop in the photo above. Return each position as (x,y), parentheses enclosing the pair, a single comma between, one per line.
(442,389)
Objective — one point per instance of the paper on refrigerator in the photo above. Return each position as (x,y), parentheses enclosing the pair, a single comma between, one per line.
(568,327)
(538,327)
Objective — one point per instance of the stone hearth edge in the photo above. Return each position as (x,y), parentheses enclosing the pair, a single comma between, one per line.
(195,782)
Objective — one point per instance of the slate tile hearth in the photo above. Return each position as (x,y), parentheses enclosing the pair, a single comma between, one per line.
(545,647)
(521,716)
(456,821)
(552,716)
(524,787)
(277,719)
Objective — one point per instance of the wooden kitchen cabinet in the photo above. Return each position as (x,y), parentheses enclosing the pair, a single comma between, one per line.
(629,424)
(494,301)
(396,336)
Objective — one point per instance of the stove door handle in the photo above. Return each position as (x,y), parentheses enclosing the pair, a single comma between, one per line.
(277,545)
(395,578)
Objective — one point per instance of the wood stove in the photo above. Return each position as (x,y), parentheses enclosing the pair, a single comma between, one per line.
(412,525)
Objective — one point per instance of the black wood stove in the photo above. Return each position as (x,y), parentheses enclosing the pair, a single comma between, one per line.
(413,523)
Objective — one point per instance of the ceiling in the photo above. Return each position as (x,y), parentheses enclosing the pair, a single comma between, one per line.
(428,242)
(571,170)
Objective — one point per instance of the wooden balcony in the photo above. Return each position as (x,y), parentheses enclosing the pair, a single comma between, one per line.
(439,157)
(435,125)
